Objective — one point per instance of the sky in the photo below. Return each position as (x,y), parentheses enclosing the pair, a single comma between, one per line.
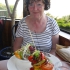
(58,8)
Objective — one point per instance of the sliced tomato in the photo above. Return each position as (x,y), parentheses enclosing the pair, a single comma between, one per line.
(31,68)
(30,58)
(34,62)
(47,66)
(42,56)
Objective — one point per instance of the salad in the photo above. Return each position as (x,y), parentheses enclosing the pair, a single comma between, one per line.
(37,58)
(25,51)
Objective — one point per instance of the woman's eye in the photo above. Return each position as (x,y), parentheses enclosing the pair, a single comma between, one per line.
(32,5)
(39,5)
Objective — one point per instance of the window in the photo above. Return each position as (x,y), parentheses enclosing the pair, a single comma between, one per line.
(19,9)
(60,10)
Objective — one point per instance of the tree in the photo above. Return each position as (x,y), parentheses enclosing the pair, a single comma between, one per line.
(2,6)
(12,14)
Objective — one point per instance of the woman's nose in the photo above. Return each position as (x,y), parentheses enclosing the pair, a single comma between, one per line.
(35,7)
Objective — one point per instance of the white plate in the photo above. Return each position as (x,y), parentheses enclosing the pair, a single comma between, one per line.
(17,64)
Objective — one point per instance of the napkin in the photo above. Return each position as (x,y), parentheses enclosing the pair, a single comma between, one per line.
(63,52)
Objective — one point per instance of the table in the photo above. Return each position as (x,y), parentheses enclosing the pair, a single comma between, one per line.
(63,62)
(3,63)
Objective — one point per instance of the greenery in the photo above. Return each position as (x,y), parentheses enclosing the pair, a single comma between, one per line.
(3,10)
(2,7)
(64,22)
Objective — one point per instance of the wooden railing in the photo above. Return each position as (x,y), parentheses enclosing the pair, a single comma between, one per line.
(64,41)
(7,35)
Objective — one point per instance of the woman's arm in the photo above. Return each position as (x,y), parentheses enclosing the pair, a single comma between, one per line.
(17,43)
(55,40)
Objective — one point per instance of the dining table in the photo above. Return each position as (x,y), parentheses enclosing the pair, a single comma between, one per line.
(3,63)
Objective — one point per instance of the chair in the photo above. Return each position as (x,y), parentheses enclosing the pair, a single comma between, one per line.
(2,23)
(14,29)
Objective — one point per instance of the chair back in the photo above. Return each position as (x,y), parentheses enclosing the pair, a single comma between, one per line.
(14,30)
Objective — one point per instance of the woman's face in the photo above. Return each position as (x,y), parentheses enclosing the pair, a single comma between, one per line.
(36,9)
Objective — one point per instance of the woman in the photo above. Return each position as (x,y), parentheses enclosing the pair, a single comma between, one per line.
(37,28)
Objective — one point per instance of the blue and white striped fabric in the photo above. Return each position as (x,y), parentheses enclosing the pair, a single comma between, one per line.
(43,41)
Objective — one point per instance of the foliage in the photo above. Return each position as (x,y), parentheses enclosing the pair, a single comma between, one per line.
(3,7)
(64,22)
(49,14)
(11,8)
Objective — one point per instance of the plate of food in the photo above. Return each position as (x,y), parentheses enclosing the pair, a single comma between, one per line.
(29,58)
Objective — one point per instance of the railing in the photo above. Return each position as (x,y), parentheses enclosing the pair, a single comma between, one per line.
(3,13)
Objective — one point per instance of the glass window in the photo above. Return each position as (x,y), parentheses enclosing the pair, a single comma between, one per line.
(59,9)
(19,9)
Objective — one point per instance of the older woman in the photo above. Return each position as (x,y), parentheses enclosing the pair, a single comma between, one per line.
(37,28)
